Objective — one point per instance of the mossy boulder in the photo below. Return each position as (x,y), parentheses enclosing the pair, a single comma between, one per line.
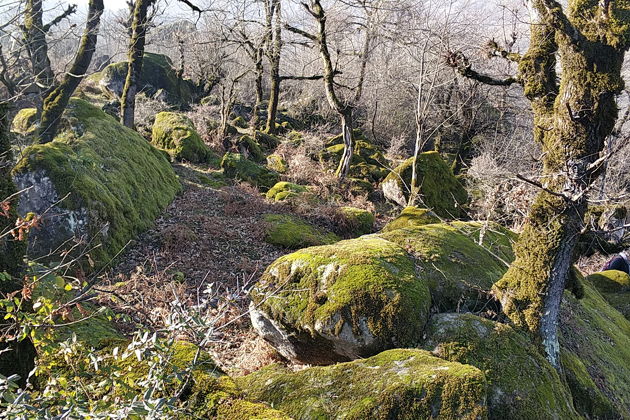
(521,383)
(176,134)
(277,163)
(285,190)
(236,166)
(25,122)
(597,335)
(368,162)
(439,189)
(460,261)
(97,182)
(412,216)
(291,232)
(614,286)
(158,78)
(339,302)
(395,384)
(358,221)
(267,141)
(250,149)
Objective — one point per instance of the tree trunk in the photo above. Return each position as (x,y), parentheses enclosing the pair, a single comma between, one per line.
(348,144)
(37,47)
(135,55)
(260,70)
(274,10)
(57,100)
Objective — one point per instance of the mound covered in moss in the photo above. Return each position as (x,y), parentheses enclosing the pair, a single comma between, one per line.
(460,261)
(521,383)
(358,221)
(176,134)
(157,76)
(98,183)
(25,122)
(412,216)
(439,189)
(293,233)
(615,288)
(340,302)
(285,190)
(395,384)
(236,166)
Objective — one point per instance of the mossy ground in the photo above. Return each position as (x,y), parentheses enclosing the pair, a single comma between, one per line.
(458,269)
(176,134)
(238,167)
(412,216)
(439,189)
(293,233)
(366,286)
(285,190)
(395,384)
(121,181)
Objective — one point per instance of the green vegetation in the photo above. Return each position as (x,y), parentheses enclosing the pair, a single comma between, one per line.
(251,149)
(439,190)
(359,222)
(277,163)
(293,233)
(285,190)
(412,216)
(238,167)
(396,384)
(25,122)
(106,171)
(176,134)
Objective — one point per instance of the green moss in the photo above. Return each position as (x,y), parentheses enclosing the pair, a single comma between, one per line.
(268,141)
(396,384)
(108,172)
(246,410)
(236,166)
(522,384)
(359,221)
(240,122)
(293,233)
(610,281)
(277,163)
(458,268)
(284,190)
(251,149)
(364,291)
(176,134)
(412,216)
(439,189)
(25,122)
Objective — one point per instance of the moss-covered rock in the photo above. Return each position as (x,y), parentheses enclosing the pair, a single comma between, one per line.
(291,232)
(267,141)
(368,162)
(340,302)
(395,384)
(285,190)
(250,149)
(176,134)
(236,166)
(460,261)
(439,189)
(610,281)
(521,383)
(412,216)
(98,181)
(25,122)
(157,74)
(597,335)
(358,221)
(277,163)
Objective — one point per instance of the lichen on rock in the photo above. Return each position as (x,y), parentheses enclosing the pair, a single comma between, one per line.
(25,122)
(338,302)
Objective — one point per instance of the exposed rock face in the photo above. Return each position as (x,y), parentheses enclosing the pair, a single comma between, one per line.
(395,384)
(522,384)
(440,190)
(340,302)
(98,184)
(176,134)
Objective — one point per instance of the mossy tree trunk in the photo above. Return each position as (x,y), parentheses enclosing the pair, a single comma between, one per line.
(34,32)
(56,101)
(273,24)
(135,55)
(572,118)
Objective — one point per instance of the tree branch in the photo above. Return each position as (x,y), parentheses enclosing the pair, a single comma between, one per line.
(458,61)
(69,11)
(301,32)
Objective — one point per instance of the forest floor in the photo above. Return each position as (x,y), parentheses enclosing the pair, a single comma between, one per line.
(211,235)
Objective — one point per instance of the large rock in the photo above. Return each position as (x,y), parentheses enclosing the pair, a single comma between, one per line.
(176,134)
(236,166)
(439,190)
(615,288)
(395,384)
(460,261)
(521,383)
(412,216)
(340,302)
(291,232)
(284,191)
(158,77)
(98,182)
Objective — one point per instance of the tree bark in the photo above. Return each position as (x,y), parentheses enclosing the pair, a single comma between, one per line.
(57,100)
(135,55)
(37,47)
(274,10)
